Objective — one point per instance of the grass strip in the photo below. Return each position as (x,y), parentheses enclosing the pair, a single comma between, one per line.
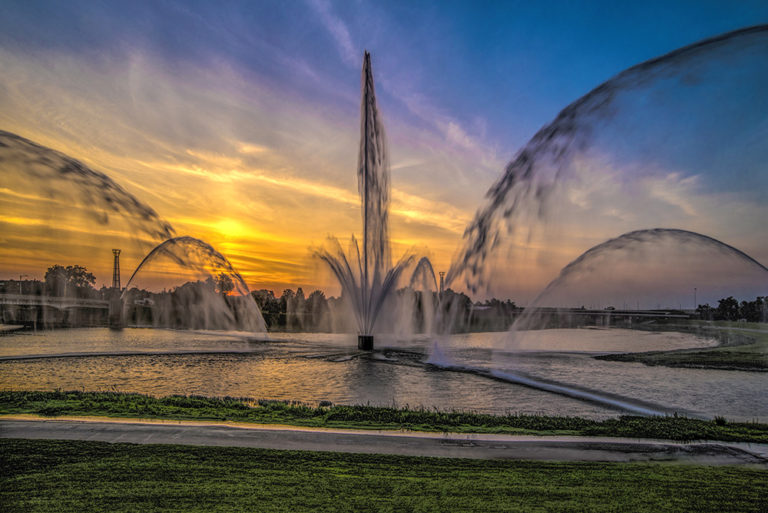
(742,347)
(127,405)
(715,358)
(64,476)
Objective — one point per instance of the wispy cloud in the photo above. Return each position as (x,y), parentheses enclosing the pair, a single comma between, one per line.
(675,190)
(338,30)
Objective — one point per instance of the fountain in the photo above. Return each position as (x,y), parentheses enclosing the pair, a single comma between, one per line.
(681,256)
(47,182)
(366,275)
(688,124)
(213,297)
(52,183)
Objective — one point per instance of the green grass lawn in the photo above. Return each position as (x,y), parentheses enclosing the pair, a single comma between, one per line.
(63,476)
(115,404)
(738,350)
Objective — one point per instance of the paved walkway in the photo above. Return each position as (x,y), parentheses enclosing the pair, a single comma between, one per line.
(453,445)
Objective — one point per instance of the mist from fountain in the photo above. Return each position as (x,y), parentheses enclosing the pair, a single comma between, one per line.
(689,122)
(621,267)
(611,269)
(66,189)
(426,296)
(213,295)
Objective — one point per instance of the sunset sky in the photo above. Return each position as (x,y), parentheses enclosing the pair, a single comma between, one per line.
(237,122)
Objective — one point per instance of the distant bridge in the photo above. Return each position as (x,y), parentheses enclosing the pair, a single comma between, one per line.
(60,303)
(658,314)
(593,312)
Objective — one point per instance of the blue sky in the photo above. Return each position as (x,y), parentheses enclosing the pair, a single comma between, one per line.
(502,69)
(201,88)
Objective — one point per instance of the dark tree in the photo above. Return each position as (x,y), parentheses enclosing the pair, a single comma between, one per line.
(753,311)
(224,284)
(727,309)
(69,281)
(705,312)
(263,297)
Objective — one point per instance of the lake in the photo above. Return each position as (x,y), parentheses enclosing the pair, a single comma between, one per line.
(313,367)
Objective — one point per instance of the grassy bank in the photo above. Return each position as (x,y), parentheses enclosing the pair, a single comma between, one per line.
(114,404)
(742,347)
(45,475)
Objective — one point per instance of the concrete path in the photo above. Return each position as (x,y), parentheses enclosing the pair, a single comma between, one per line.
(453,445)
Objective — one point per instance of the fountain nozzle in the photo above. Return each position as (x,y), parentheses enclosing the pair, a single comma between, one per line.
(365,342)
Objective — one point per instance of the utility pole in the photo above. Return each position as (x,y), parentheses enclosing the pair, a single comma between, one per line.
(442,281)
(115,302)
(695,304)
(116,270)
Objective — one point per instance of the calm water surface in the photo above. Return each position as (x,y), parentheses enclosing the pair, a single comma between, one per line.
(314,367)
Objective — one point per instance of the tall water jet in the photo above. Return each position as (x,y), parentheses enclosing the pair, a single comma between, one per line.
(373,185)
(366,275)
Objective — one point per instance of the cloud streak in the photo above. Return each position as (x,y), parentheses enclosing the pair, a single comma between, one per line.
(338,30)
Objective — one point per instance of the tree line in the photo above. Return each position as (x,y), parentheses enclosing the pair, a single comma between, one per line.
(59,281)
(296,311)
(729,309)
